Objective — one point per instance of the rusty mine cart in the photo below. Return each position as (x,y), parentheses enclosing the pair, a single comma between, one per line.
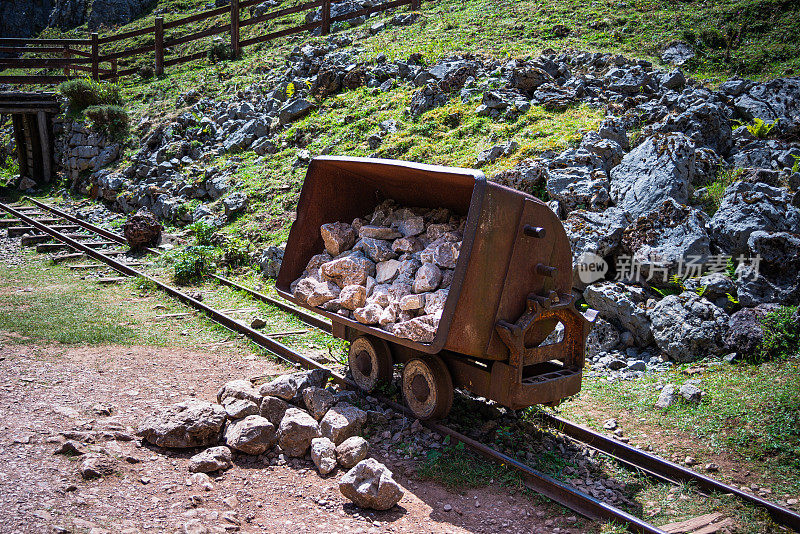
(511,287)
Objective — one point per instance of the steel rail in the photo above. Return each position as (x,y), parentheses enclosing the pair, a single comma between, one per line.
(665,469)
(539,482)
(303,315)
(631,457)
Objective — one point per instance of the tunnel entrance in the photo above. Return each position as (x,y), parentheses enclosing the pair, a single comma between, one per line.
(32,119)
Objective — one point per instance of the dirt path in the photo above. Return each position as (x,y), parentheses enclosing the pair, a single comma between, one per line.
(49,390)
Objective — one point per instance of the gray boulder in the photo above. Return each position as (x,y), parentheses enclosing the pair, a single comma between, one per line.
(775,100)
(370,485)
(342,421)
(318,401)
(192,423)
(490,155)
(296,109)
(252,435)
(691,393)
(746,333)
(774,277)
(115,12)
(715,287)
(211,459)
(239,408)
(323,454)
(290,386)
(604,337)
(705,123)
(593,234)
(238,389)
(270,261)
(614,129)
(426,98)
(747,208)
(235,203)
(688,328)
(677,53)
(659,169)
(244,136)
(96,466)
(296,431)
(273,409)
(579,188)
(667,240)
(609,151)
(528,77)
(351,451)
(667,397)
(622,305)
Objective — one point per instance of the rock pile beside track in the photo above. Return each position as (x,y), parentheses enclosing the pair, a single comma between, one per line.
(292,416)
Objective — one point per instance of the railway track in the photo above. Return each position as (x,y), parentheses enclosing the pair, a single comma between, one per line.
(53,222)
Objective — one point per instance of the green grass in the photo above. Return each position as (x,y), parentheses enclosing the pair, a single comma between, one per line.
(50,310)
(751,414)
(458,468)
(715,190)
(745,37)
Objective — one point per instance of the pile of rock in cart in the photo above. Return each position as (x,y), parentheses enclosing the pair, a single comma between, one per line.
(392,269)
(293,416)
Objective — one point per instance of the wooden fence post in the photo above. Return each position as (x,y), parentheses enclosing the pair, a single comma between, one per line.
(235,28)
(159,33)
(326,17)
(67,54)
(95,57)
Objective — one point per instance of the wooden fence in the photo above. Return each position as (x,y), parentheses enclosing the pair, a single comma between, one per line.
(79,56)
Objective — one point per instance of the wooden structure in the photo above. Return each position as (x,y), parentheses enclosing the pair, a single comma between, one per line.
(85,56)
(32,117)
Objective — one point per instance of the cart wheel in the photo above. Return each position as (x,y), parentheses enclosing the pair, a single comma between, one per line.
(428,388)
(370,362)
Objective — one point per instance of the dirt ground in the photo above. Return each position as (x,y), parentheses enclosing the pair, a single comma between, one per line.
(49,393)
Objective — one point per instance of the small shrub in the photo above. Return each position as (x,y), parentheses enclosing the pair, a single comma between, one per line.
(84,92)
(111,120)
(781,335)
(9,169)
(146,72)
(203,233)
(676,287)
(237,253)
(715,190)
(220,52)
(761,129)
(192,263)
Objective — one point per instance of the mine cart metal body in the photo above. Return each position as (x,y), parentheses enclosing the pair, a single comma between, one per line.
(510,288)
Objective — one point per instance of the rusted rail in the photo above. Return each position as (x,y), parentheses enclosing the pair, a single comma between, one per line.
(86,55)
(539,482)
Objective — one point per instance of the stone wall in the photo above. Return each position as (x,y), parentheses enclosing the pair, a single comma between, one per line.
(80,153)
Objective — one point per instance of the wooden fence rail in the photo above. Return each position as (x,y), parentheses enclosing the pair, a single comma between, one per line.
(86,55)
